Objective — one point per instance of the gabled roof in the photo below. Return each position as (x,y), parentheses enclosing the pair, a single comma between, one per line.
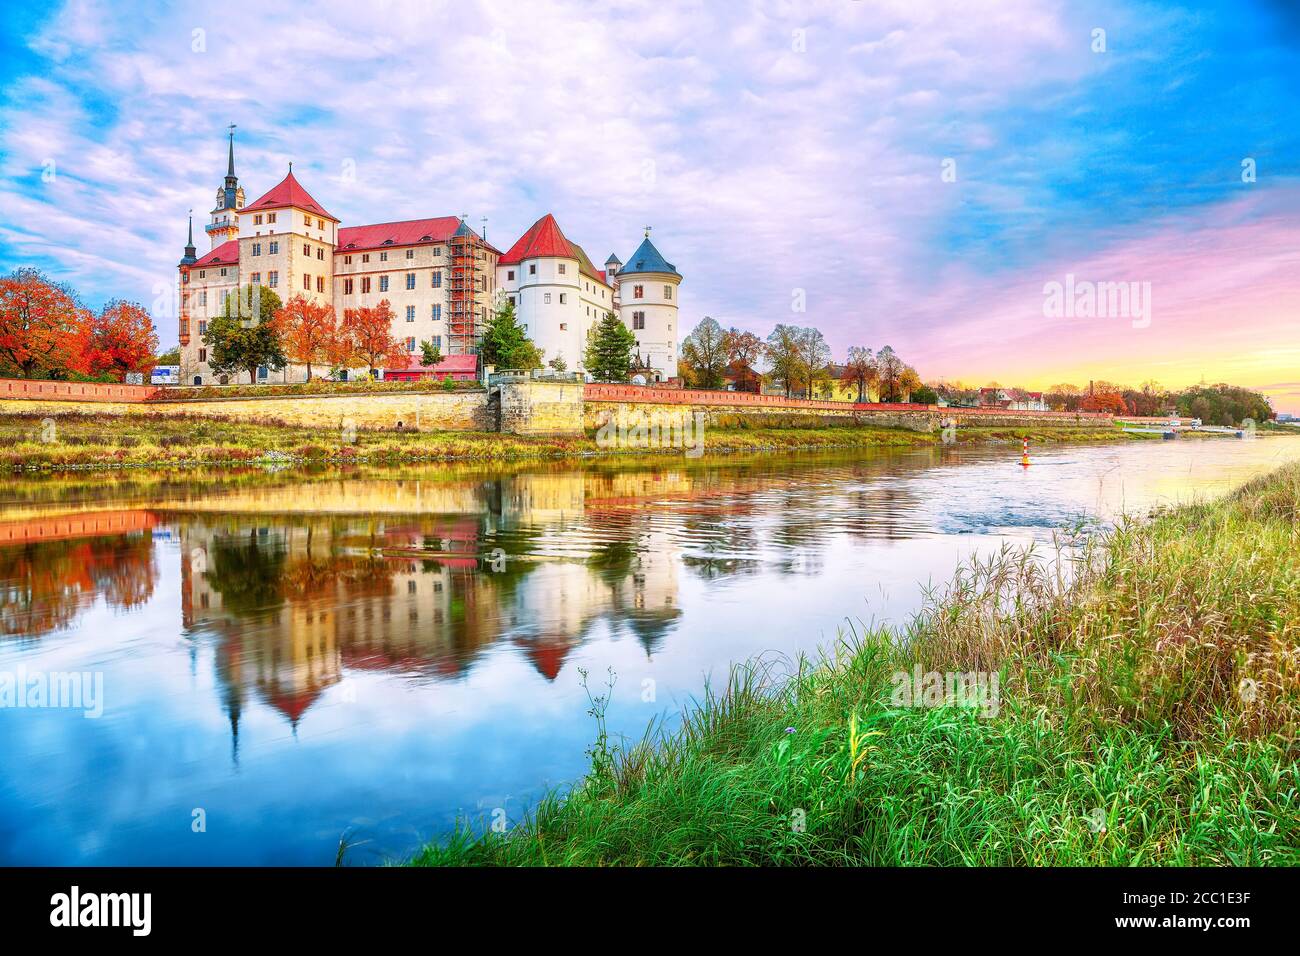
(647,259)
(408,232)
(224,255)
(288,192)
(545,238)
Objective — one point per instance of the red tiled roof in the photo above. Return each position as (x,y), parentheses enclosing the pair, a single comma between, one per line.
(450,363)
(288,192)
(409,232)
(224,254)
(546,238)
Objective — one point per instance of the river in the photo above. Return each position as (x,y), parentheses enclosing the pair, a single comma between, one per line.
(256,664)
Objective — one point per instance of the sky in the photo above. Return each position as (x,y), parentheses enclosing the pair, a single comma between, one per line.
(911,173)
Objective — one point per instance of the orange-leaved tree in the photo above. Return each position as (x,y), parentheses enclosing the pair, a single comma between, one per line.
(371,330)
(41,325)
(306,328)
(121,339)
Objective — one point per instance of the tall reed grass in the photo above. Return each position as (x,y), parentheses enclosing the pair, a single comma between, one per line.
(1149,709)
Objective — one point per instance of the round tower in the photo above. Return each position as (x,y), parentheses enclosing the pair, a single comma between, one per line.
(647,304)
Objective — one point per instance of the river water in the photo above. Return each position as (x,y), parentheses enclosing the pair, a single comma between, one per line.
(253,665)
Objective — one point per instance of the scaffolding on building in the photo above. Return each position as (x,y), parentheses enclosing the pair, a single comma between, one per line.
(465,251)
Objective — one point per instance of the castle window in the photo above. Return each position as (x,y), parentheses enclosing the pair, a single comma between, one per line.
(203,273)
(546,298)
(562,268)
(383,282)
(510,275)
(638,292)
(511,298)
(437,250)
(203,297)
(564,326)
(347,286)
(320,283)
(347,260)
(410,280)
(365,257)
(274,248)
(306,281)
(410,313)
(223,271)
(365,284)
(320,253)
(272,279)
(562,298)
(410,343)
(270,217)
(532,269)
(203,355)
(435,313)
(410,253)
(306,249)
(257,248)
(638,320)
(437,278)
(383,257)
(203,327)
(257,220)
(668,292)
(257,278)
(320,223)
(437,342)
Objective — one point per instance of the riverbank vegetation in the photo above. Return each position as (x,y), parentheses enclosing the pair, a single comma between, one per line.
(1146,713)
(29,440)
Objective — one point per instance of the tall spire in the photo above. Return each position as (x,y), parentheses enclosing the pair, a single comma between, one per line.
(191,256)
(230,169)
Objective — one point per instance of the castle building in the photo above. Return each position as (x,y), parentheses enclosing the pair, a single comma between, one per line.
(441,278)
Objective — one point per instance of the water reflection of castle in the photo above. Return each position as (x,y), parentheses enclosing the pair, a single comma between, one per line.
(298,601)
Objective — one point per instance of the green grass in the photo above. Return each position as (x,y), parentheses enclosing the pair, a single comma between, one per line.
(163,440)
(1149,710)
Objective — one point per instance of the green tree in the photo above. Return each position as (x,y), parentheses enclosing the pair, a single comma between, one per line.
(609,349)
(244,337)
(430,354)
(705,352)
(504,343)
(783,357)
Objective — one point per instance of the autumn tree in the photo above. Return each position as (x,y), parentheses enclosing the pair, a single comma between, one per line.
(860,371)
(814,356)
(744,350)
(609,349)
(243,337)
(370,332)
(908,382)
(120,339)
(305,328)
(704,352)
(42,326)
(889,368)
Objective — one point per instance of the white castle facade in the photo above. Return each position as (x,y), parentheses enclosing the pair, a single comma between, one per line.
(441,278)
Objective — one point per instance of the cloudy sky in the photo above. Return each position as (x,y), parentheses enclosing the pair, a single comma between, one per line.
(908,173)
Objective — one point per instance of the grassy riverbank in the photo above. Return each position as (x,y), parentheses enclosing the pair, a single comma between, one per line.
(28,442)
(1147,714)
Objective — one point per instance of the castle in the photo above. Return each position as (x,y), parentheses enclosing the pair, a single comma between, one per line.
(441,278)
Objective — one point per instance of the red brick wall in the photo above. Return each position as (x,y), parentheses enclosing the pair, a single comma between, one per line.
(598,392)
(18,388)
